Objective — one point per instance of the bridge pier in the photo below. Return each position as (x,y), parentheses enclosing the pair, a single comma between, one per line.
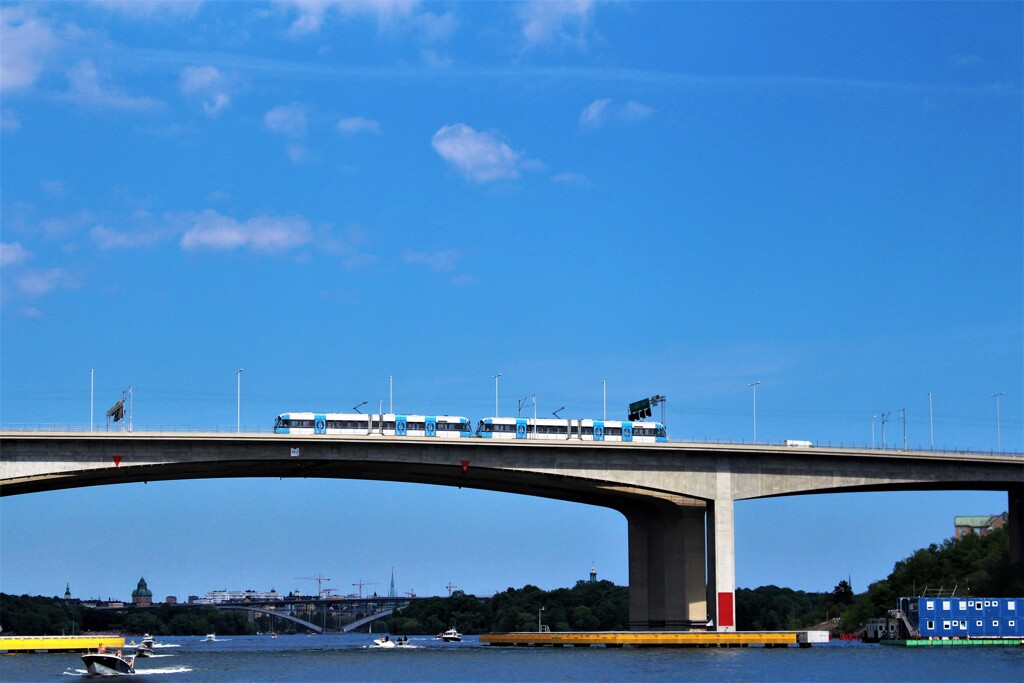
(667,551)
(1015,508)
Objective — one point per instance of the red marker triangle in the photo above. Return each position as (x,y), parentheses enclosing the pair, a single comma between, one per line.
(117,461)
(465,465)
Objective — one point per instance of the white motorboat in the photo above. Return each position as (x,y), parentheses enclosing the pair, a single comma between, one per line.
(210,637)
(383,641)
(145,647)
(108,664)
(450,636)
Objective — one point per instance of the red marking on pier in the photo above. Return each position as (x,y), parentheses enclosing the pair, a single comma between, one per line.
(117,461)
(465,465)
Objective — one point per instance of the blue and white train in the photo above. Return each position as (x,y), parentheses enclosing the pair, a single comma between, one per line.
(389,424)
(455,427)
(582,430)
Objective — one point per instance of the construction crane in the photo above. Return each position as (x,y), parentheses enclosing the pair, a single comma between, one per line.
(362,583)
(451,586)
(319,583)
(412,593)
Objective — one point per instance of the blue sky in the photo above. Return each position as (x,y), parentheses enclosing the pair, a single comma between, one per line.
(673,198)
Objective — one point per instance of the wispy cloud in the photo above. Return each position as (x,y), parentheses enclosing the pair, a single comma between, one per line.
(209,85)
(12,254)
(288,119)
(357,124)
(152,9)
(479,156)
(313,13)
(40,281)
(545,22)
(88,88)
(437,260)
(212,230)
(108,238)
(599,112)
(27,43)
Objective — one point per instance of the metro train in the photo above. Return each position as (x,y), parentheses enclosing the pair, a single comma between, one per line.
(455,427)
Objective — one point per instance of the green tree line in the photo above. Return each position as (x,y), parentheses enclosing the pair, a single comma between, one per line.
(974,565)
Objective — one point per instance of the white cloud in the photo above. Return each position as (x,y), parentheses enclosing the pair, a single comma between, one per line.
(599,112)
(357,124)
(569,178)
(481,157)
(88,88)
(288,119)
(545,22)
(44,280)
(595,114)
(312,13)
(438,260)
(54,188)
(27,43)
(212,230)
(107,238)
(12,253)
(148,9)
(209,85)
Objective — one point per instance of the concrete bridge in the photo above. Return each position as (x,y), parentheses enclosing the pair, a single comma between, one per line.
(677,497)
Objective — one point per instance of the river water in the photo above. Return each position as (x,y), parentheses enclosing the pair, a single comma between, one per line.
(351,658)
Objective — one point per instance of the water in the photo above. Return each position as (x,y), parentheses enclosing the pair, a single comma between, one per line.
(350,658)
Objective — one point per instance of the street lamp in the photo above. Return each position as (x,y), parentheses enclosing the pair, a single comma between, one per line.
(538,619)
(495,377)
(238,417)
(604,395)
(999,443)
(873,430)
(931,422)
(753,385)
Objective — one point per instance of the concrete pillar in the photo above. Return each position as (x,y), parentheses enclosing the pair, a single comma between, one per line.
(722,556)
(667,561)
(1015,510)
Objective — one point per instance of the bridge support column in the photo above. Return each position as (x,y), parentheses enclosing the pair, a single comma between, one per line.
(667,560)
(1015,508)
(722,557)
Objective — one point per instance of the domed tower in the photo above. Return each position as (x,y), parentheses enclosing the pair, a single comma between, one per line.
(142,596)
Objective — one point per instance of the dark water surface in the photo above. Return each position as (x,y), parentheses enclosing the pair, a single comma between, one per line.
(350,658)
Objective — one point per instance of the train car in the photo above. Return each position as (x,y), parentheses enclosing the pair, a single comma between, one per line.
(582,430)
(389,424)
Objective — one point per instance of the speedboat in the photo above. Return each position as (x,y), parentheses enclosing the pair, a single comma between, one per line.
(450,636)
(107,664)
(145,647)
(210,637)
(383,641)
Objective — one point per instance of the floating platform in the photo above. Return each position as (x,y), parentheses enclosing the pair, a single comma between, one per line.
(956,642)
(58,643)
(657,639)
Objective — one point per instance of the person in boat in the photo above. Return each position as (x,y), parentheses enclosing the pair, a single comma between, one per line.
(101,649)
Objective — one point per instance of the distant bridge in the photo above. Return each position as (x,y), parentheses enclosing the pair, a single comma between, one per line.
(287,617)
(677,498)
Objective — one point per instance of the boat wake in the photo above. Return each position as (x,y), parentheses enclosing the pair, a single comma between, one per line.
(84,673)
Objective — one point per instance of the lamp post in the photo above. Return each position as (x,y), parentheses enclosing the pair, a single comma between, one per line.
(495,377)
(538,619)
(238,417)
(753,386)
(873,430)
(391,395)
(604,396)
(931,422)
(999,443)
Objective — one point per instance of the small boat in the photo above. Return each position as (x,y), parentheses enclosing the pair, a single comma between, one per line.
(107,664)
(145,647)
(210,637)
(383,641)
(450,636)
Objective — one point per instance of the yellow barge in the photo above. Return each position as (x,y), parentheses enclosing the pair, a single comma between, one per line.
(58,643)
(657,639)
